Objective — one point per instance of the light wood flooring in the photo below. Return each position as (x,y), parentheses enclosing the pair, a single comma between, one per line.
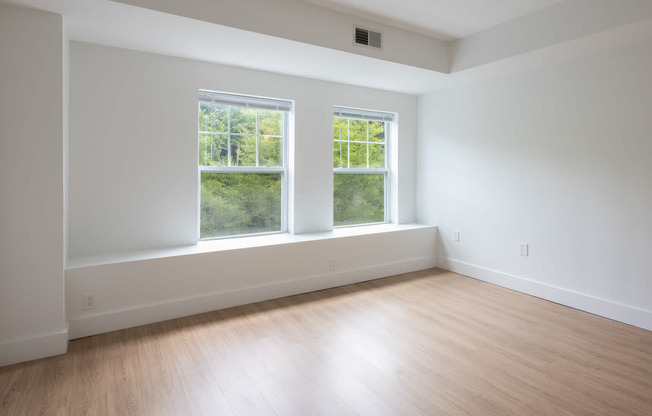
(423,343)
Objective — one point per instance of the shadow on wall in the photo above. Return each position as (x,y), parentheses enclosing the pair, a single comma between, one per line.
(440,250)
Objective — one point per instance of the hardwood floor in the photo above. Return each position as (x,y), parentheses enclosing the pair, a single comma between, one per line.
(423,343)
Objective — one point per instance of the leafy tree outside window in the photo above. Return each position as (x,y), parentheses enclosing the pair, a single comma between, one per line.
(360,168)
(242,164)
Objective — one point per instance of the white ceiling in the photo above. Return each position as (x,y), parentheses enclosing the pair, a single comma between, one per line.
(560,32)
(444,19)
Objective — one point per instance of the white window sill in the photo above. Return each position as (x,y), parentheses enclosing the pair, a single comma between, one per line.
(208,246)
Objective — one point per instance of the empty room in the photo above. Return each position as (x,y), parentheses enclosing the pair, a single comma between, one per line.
(306,207)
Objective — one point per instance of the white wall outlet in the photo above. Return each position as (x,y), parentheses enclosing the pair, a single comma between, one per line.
(88,301)
(525,250)
(331,265)
(456,236)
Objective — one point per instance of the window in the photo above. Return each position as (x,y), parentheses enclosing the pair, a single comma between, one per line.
(242,164)
(360,155)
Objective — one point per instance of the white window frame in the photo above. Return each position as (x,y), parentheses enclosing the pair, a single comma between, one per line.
(368,115)
(258,103)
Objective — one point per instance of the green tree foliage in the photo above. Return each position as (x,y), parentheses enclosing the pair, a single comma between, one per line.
(215,142)
(240,203)
(248,203)
(358,198)
(358,144)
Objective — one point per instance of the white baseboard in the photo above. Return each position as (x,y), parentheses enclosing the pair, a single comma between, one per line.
(175,308)
(32,348)
(602,307)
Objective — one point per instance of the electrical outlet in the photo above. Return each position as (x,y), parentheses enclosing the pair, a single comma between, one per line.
(331,265)
(524,249)
(456,236)
(88,301)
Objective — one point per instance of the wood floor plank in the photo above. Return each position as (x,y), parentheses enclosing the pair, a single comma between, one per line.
(424,343)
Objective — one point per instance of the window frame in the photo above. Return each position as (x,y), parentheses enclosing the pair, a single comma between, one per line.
(348,113)
(259,104)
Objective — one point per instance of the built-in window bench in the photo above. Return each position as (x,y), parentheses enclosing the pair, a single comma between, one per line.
(139,287)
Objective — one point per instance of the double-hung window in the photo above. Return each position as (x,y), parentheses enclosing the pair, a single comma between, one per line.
(242,164)
(360,166)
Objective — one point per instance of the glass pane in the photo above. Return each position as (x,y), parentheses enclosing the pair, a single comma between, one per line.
(220,150)
(213,150)
(270,123)
(213,118)
(270,152)
(220,119)
(340,154)
(339,128)
(358,199)
(204,117)
(376,155)
(240,203)
(358,155)
(243,150)
(358,130)
(376,131)
(205,149)
(243,120)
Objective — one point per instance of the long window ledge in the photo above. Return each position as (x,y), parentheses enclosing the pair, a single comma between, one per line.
(209,246)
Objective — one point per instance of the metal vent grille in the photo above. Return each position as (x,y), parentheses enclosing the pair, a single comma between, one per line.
(367,37)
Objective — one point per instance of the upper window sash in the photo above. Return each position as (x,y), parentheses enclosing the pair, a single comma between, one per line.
(225,134)
(370,145)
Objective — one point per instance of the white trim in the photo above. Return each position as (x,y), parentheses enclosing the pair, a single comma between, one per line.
(242,169)
(602,307)
(32,348)
(119,319)
(224,244)
(361,171)
(285,179)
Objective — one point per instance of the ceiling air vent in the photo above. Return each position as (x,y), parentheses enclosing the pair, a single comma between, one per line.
(367,37)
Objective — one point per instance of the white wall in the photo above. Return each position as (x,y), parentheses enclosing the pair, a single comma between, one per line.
(308,23)
(133,186)
(559,157)
(561,23)
(32,321)
(133,146)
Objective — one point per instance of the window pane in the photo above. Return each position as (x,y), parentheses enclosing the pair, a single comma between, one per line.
(243,150)
(243,120)
(358,198)
(213,150)
(358,155)
(376,155)
(340,154)
(240,203)
(358,130)
(270,151)
(220,150)
(213,118)
(340,128)
(204,117)
(376,131)
(270,123)
(205,149)
(221,119)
